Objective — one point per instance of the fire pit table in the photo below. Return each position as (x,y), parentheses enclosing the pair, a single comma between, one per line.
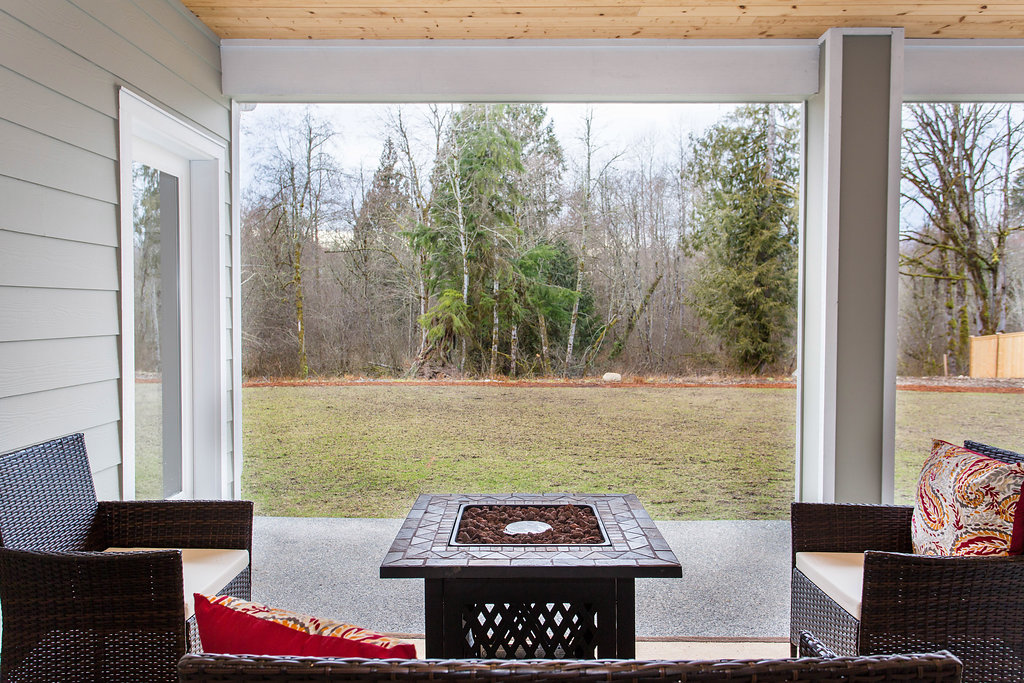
(522,598)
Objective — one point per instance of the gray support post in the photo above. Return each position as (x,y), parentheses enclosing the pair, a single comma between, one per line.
(848,270)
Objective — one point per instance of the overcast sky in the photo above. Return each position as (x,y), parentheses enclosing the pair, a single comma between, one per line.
(617,128)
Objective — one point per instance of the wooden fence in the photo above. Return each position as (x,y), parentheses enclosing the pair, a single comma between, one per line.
(998,355)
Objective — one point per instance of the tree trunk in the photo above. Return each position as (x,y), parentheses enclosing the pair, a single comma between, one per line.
(581,263)
(465,287)
(494,333)
(545,359)
(299,312)
(620,344)
(514,351)
(575,307)
(424,298)
(464,249)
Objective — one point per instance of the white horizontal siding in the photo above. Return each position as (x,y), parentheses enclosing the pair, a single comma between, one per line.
(41,365)
(45,111)
(34,55)
(48,161)
(31,418)
(104,446)
(184,25)
(70,265)
(103,443)
(80,33)
(141,31)
(108,483)
(35,313)
(38,210)
(61,64)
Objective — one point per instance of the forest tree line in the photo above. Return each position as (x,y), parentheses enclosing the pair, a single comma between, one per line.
(481,247)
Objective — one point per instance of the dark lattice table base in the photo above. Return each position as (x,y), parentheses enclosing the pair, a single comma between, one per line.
(583,619)
(530,630)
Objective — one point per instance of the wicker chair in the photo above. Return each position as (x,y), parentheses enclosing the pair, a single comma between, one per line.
(71,613)
(939,667)
(971,606)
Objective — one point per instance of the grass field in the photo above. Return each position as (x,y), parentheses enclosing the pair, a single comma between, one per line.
(688,453)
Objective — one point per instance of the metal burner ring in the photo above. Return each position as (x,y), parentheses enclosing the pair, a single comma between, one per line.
(526,527)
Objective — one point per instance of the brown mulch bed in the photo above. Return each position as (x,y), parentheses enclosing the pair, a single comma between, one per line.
(937,384)
(533,384)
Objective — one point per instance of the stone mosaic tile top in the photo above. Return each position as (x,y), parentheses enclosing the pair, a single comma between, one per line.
(422,547)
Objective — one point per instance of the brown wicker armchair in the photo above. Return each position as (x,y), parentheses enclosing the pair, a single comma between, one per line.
(73,613)
(939,667)
(971,606)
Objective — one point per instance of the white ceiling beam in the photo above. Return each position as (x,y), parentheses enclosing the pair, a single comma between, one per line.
(521,70)
(963,70)
(593,70)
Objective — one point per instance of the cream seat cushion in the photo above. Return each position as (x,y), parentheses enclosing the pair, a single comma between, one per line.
(204,570)
(840,576)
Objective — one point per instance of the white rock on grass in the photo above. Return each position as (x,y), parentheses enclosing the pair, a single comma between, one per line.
(612,377)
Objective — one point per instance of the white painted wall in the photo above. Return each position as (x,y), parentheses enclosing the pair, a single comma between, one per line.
(61,63)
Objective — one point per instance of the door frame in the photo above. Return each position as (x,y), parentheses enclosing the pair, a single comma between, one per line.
(204,255)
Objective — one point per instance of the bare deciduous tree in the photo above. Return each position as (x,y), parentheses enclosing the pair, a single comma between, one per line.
(958,163)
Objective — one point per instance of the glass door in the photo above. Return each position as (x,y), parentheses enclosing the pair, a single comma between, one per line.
(160,230)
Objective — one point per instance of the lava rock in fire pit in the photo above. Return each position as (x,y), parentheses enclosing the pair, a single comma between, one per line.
(570,525)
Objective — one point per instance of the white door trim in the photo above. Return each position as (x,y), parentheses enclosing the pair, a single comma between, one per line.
(145,127)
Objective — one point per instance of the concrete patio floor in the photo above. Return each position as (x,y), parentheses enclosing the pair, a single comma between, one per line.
(732,600)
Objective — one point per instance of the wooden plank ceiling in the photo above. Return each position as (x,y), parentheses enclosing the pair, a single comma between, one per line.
(572,19)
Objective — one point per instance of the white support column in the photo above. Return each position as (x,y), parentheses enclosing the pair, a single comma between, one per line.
(849,253)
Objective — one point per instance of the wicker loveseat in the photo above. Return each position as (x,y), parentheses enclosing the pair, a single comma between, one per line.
(971,606)
(938,667)
(72,612)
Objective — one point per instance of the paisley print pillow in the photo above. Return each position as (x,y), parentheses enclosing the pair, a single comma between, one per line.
(230,625)
(968,504)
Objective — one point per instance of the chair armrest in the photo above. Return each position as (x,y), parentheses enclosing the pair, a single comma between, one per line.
(849,528)
(178,524)
(812,647)
(103,588)
(78,613)
(979,598)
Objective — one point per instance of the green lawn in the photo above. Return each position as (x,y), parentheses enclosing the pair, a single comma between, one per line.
(688,453)
(148,441)
(923,416)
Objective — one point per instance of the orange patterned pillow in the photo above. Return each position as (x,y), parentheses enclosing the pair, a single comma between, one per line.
(968,504)
(230,625)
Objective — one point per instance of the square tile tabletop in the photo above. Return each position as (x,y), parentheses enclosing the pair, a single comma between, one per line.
(635,548)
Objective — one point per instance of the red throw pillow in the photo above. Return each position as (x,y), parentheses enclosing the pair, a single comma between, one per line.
(236,627)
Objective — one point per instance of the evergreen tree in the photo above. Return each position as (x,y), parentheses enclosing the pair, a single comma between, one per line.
(474,208)
(746,171)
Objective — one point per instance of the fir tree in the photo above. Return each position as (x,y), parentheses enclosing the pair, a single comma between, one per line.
(746,171)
